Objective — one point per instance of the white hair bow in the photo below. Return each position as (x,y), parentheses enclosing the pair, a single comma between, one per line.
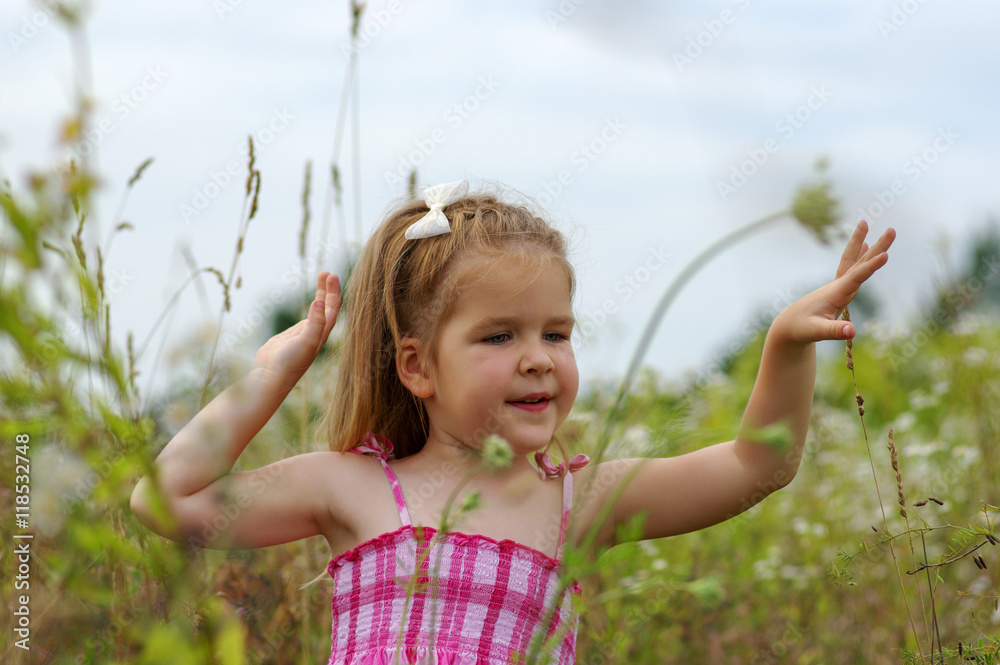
(435,222)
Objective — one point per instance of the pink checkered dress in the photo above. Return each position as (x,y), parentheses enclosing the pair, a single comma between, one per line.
(419,596)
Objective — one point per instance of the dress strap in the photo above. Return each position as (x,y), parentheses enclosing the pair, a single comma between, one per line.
(381,447)
(567,502)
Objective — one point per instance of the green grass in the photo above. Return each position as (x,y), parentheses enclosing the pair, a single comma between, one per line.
(805,577)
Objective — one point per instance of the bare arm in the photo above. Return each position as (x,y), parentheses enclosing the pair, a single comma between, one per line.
(783,391)
(693,491)
(276,503)
(206,448)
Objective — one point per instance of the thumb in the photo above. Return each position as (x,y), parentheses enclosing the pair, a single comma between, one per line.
(317,310)
(818,329)
(315,319)
(842,330)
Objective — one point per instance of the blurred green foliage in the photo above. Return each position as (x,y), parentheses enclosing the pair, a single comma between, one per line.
(805,577)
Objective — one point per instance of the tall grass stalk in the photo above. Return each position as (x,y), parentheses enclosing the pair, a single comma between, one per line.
(333,199)
(231,282)
(849,356)
(813,206)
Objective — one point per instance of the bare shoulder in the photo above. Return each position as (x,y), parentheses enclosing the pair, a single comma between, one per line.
(345,481)
(597,490)
(332,474)
(290,499)
(596,483)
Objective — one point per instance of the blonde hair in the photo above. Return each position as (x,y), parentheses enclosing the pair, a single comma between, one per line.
(407,288)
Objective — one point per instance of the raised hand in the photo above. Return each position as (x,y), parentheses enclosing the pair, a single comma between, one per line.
(814,317)
(285,357)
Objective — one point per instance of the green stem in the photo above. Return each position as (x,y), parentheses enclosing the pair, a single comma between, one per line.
(689,271)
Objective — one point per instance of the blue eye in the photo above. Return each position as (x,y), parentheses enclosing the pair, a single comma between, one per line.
(497,339)
(554,337)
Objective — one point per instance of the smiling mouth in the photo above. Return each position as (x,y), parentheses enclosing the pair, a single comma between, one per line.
(532,404)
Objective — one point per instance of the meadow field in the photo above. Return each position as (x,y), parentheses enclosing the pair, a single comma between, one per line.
(884,549)
(828,570)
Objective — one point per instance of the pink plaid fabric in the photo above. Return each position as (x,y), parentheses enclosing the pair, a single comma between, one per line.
(419,596)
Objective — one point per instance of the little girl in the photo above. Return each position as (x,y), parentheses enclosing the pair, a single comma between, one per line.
(460,320)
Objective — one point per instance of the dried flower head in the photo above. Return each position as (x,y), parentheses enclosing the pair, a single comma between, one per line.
(497,453)
(816,208)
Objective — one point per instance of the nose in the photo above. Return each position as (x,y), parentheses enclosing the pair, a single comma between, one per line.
(536,360)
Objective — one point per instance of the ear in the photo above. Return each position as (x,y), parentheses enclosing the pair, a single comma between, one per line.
(410,366)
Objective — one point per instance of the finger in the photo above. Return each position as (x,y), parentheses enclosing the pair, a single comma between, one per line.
(838,330)
(317,308)
(332,303)
(846,287)
(866,268)
(882,245)
(849,284)
(853,249)
(818,329)
(317,313)
(321,280)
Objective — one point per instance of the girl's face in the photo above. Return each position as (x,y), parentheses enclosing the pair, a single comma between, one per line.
(505,364)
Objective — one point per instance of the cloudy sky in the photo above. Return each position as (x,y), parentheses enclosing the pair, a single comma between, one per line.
(646,129)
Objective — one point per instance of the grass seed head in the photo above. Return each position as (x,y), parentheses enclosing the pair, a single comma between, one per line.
(899,477)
